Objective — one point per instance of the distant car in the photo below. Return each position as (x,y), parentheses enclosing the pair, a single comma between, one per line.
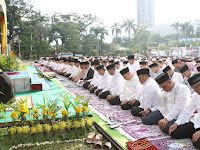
(65,55)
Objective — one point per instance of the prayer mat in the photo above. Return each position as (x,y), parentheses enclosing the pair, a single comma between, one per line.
(141,144)
(133,131)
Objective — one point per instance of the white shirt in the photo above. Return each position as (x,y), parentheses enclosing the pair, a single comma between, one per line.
(104,81)
(130,89)
(150,94)
(188,111)
(133,67)
(77,71)
(117,83)
(173,102)
(154,75)
(177,77)
(95,79)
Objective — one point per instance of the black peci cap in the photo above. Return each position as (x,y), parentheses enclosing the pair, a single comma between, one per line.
(124,71)
(100,67)
(143,63)
(116,63)
(175,61)
(194,79)
(162,78)
(131,57)
(167,69)
(143,71)
(110,66)
(184,68)
(153,65)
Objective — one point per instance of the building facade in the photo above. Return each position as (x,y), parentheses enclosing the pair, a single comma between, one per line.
(145,13)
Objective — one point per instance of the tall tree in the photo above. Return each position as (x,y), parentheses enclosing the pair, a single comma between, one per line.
(198,31)
(186,29)
(129,26)
(176,26)
(141,38)
(103,32)
(96,31)
(17,9)
(116,29)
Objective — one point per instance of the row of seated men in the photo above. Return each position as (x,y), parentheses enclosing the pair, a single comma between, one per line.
(159,96)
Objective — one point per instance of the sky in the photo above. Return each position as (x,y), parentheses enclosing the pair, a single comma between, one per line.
(110,11)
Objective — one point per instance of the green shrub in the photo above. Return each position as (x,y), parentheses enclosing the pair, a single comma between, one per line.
(10,62)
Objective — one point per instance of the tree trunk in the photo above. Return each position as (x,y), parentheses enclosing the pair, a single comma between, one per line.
(97,46)
(185,40)
(177,39)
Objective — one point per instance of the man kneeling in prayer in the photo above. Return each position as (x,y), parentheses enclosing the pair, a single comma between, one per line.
(104,83)
(187,126)
(174,97)
(150,94)
(116,85)
(131,87)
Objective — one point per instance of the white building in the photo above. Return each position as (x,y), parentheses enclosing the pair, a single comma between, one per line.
(145,13)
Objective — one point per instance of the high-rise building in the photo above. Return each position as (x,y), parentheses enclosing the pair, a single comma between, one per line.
(145,12)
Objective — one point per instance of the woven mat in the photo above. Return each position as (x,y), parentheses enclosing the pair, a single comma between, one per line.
(136,130)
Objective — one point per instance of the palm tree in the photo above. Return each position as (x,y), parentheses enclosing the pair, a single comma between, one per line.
(129,27)
(176,26)
(116,29)
(186,29)
(96,31)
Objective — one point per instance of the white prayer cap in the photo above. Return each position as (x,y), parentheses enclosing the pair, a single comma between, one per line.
(123,58)
(116,60)
(154,59)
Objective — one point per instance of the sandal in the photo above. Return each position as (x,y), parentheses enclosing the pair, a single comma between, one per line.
(98,145)
(97,138)
(107,146)
(90,137)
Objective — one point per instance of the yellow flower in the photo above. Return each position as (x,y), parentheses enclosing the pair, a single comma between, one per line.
(68,125)
(76,124)
(35,110)
(45,111)
(47,128)
(33,118)
(55,127)
(64,113)
(82,123)
(84,109)
(12,131)
(24,115)
(19,130)
(21,105)
(62,125)
(33,130)
(25,129)
(90,121)
(78,110)
(39,128)
(13,115)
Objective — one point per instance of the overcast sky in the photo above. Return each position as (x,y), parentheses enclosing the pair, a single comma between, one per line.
(166,11)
